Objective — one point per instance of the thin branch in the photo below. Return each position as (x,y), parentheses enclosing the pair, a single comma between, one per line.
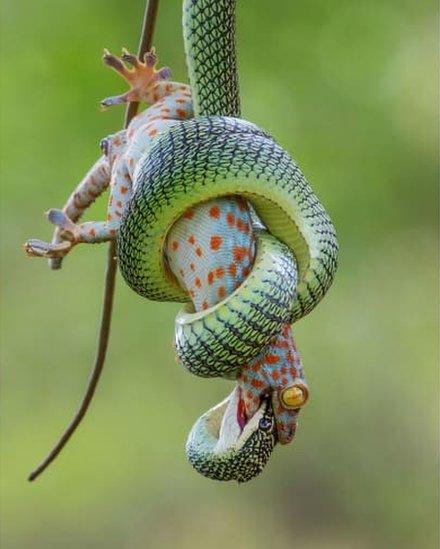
(110,277)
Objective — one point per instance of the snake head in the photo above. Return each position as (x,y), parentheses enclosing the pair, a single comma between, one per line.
(140,74)
(219,447)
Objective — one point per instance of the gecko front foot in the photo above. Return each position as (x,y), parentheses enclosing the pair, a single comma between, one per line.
(39,248)
(141,76)
(68,229)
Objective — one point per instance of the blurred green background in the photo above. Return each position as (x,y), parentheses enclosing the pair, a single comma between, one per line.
(350,89)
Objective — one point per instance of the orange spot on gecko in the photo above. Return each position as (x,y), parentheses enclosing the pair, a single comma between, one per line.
(210,277)
(216,242)
(119,204)
(242,226)
(198,282)
(92,232)
(152,133)
(180,113)
(232,269)
(109,217)
(239,253)
(275,375)
(219,272)
(192,267)
(272,359)
(230,218)
(221,292)
(257,383)
(214,212)
(191,239)
(205,305)
(199,251)
(189,214)
(174,245)
(123,189)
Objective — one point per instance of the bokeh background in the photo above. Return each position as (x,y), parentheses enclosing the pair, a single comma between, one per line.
(350,89)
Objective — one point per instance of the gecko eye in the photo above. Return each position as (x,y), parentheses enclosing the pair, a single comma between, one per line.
(103,145)
(294,396)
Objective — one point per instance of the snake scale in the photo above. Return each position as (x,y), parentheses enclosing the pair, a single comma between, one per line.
(208,210)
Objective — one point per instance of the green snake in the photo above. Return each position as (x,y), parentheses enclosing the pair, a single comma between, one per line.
(214,155)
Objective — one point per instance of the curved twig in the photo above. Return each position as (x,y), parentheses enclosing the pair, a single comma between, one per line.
(110,277)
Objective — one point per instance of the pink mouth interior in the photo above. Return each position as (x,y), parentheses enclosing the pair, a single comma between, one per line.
(241,413)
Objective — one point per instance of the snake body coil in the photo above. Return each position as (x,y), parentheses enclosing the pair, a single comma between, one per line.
(213,155)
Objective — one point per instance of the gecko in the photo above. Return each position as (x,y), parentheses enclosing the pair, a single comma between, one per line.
(210,249)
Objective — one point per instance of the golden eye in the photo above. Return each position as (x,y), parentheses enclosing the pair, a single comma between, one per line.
(294,396)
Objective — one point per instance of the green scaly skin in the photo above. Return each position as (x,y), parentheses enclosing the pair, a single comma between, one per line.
(214,155)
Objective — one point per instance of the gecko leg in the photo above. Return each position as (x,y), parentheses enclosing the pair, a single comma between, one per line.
(97,231)
(92,185)
(89,189)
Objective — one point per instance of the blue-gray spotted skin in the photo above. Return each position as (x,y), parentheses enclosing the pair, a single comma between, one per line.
(211,249)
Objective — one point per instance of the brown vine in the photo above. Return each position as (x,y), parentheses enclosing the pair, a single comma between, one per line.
(145,45)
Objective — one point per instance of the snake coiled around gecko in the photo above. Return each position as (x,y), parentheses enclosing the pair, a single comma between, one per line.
(213,155)
(210,211)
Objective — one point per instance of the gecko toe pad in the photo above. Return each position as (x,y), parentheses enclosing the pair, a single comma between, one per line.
(39,248)
(140,74)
